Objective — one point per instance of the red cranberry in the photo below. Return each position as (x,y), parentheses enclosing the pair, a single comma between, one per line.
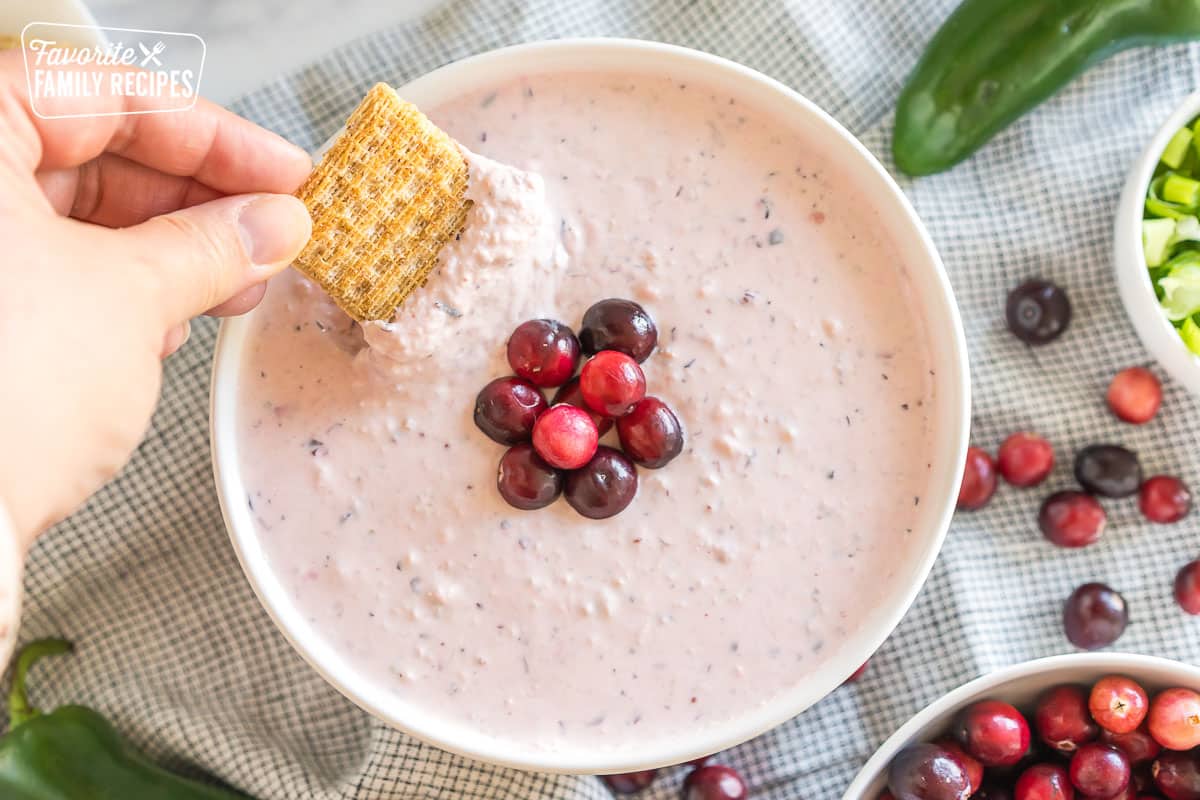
(506,409)
(620,325)
(650,434)
(604,486)
(1174,719)
(565,437)
(630,782)
(971,764)
(1100,770)
(1187,587)
(612,383)
(572,395)
(1108,470)
(993,732)
(1118,703)
(697,762)
(1094,616)
(1135,395)
(1044,782)
(1139,745)
(544,352)
(978,481)
(858,673)
(1025,459)
(927,772)
(1177,775)
(525,481)
(1062,718)
(714,782)
(1165,499)
(1071,519)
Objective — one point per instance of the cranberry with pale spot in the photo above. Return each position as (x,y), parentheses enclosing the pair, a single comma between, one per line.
(928,772)
(1071,519)
(1187,587)
(1025,459)
(565,437)
(1118,704)
(507,408)
(1134,395)
(544,352)
(572,395)
(612,383)
(630,782)
(972,765)
(651,434)
(1044,782)
(525,480)
(1062,718)
(1164,499)
(1177,774)
(978,480)
(993,732)
(1174,719)
(714,782)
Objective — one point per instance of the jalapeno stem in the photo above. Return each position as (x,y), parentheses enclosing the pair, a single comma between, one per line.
(19,709)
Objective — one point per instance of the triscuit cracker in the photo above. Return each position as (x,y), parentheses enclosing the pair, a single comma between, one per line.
(385,199)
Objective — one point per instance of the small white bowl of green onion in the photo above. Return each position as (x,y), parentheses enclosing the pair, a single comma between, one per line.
(1157,245)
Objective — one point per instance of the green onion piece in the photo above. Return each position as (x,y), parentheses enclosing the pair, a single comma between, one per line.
(1181,189)
(1157,237)
(1159,207)
(1181,286)
(1190,333)
(1177,148)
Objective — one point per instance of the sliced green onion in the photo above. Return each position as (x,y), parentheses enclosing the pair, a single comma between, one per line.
(1157,237)
(1160,207)
(1180,189)
(1177,148)
(1181,286)
(1190,333)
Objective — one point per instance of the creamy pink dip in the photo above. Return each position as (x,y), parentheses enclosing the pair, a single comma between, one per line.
(790,347)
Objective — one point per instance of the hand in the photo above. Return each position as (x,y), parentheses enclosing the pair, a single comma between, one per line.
(115,232)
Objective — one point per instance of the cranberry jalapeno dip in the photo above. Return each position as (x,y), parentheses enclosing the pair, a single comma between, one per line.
(792,346)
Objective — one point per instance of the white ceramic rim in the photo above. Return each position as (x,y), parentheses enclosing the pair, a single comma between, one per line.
(1078,668)
(1158,335)
(952,414)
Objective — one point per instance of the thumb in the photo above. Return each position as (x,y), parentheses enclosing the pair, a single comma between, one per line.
(203,255)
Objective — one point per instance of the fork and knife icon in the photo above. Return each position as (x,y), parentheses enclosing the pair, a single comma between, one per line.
(152,54)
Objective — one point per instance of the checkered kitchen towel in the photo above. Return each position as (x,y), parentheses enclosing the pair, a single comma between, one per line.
(175,648)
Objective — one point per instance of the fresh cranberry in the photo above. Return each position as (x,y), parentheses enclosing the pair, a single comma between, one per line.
(858,673)
(1165,499)
(1187,587)
(1139,745)
(1094,616)
(612,383)
(630,782)
(572,395)
(1099,770)
(1108,470)
(1044,782)
(1174,719)
(1177,775)
(565,437)
(525,480)
(1025,459)
(1118,703)
(620,325)
(1071,519)
(544,352)
(993,732)
(928,772)
(697,762)
(506,409)
(970,763)
(604,486)
(1037,312)
(714,782)
(978,481)
(650,434)
(1135,395)
(1062,718)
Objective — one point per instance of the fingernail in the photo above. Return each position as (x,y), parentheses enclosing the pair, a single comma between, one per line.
(274,228)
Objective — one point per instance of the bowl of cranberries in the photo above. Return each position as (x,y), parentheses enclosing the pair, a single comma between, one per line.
(1086,726)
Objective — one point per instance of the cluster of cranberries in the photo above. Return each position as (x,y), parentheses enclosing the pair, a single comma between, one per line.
(704,782)
(554,448)
(1107,742)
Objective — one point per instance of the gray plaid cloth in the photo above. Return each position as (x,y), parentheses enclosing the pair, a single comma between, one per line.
(175,648)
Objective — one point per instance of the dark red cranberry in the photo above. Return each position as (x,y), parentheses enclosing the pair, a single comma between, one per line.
(630,782)
(1094,616)
(697,762)
(620,325)
(1108,470)
(1118,704)
(612,383)
(1134,395)
(1164,499)
(714,782)
(970,763)
(1143,780)
(1187,587)
(1037,312)
(544,352)
(525,480)
(1138,745)
(978,481)
(1025,459)
(1062,718)
(506,409)
(928,772)
(993,791)
(993,732)
(565,437)
(1044,782)
(1177,774)
(1071,519)
(1100,770)
(651,434)
(858,673)
(1174,719)
(604,486)
(572,395)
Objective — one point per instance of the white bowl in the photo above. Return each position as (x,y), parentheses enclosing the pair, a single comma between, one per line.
(1019,685)
(953,415)
(1133,279)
